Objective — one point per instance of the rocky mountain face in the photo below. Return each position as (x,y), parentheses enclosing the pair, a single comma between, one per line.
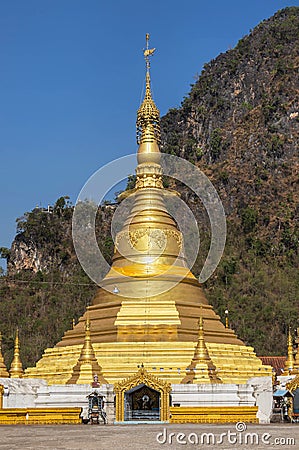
(44,239)
(240,125)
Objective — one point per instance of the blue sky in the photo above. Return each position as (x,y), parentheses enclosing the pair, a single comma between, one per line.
(72,76)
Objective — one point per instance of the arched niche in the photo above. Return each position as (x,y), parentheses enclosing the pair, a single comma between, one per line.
(131,398)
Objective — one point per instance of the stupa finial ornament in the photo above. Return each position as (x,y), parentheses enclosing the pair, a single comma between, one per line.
(148,52)
(148,116)
(148,171)
(87,324)
(226,319)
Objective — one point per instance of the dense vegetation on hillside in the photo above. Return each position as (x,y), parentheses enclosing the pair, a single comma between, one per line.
(240,125)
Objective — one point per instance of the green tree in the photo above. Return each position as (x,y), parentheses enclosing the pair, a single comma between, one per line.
(249,219)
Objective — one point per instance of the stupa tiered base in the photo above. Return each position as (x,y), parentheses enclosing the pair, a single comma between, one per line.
(167,360)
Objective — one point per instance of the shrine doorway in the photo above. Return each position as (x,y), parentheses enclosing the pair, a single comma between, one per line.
(142,397)
(142,403)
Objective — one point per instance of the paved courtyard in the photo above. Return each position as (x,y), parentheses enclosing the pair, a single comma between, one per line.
(153,437)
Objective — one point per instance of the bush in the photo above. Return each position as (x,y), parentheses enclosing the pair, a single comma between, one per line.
(249,219)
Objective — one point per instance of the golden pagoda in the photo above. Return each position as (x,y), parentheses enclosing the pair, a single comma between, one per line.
(290,362)
(3,369)
(149,304)
(296,358)
(87,365)
(16,368)
(201,369)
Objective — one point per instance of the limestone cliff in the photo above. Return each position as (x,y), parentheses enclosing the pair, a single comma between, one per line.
(240,124)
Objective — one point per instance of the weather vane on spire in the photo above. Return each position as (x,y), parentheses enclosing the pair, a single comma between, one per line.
(148,52)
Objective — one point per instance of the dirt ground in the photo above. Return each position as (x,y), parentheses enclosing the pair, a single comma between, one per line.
(146,436)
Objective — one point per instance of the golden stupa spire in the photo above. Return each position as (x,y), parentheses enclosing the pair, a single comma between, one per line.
(16,369)
(87,365)
(148,119)
(201,352)
(3,369)
(87,352)
(201,369)
(226,319)
(289,364)
(296,358)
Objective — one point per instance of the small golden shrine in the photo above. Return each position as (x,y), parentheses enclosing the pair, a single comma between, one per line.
(3,369)
(16,368)
(159,329)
